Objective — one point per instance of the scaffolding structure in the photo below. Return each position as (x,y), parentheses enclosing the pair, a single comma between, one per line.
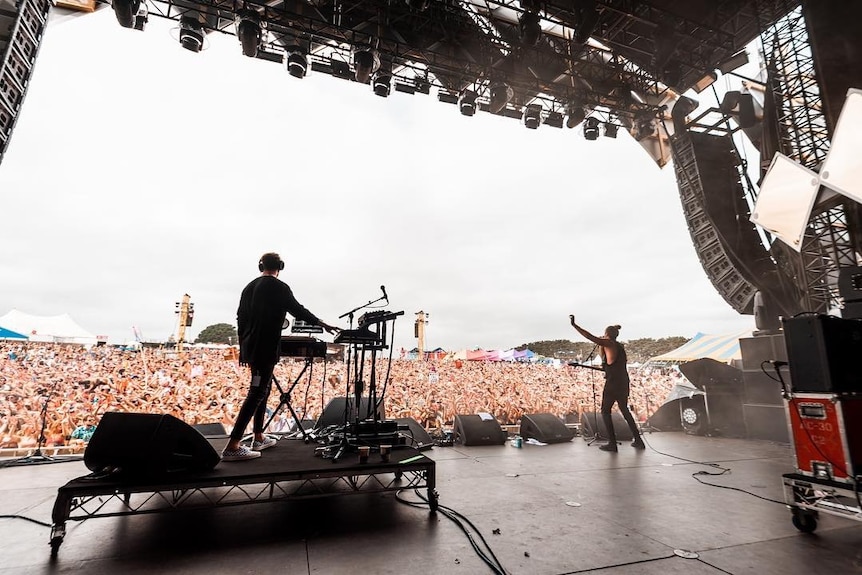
(801,129)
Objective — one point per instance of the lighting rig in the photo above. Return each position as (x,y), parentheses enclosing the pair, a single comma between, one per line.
(506,58)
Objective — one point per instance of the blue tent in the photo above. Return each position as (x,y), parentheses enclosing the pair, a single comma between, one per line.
(9,334)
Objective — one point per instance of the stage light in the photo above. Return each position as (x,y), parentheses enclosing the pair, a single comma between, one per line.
(248,31)
(679,114)
(591,128)
(611,130)
(418,5)
(735,62)
(645,128)
(575,116)
(191,34)
(382,84)
(447,97)
(340,69)
(533,116)
(467,102)
(554,119)
(295,62)
(705,82)
(142,17)
(365,63)
(500,94)
(530,28)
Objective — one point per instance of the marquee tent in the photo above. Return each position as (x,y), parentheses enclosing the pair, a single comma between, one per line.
(9,334)
(723,348)
(55,328)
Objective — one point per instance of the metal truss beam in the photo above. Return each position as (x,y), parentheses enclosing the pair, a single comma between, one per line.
(802,132)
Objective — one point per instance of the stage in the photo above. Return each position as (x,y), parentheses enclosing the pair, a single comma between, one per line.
(549,510)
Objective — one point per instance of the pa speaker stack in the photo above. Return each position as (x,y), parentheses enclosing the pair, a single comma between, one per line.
(481,429)
(545,427)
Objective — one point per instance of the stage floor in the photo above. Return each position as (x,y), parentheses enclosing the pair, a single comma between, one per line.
(544,510)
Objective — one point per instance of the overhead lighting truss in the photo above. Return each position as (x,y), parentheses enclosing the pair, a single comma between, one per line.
(593,52)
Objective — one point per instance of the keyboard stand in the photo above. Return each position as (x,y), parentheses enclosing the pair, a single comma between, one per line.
(285,401)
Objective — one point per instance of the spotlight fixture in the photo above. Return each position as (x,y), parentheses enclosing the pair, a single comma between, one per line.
(611,130)
(467,102)
(645,128)
(554,120)
(530,28)
(423,86)
(382,84)
(366,61)
(142,17)
(248,31)
(418,5)
(591,128)
(705,82)
(125,11)
(533,116)
(191,34)
(500,94)
(447,96)
(575,116)
(295,62)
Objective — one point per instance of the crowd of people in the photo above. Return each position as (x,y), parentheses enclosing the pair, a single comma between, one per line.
(69,387)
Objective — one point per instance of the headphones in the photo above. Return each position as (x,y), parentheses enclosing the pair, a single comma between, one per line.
(270,258)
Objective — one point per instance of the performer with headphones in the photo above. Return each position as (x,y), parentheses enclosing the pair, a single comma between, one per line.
(263,306)
(616,383)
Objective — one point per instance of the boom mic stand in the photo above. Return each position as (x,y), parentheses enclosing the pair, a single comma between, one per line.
(597,435)
(37,457)
(344,443)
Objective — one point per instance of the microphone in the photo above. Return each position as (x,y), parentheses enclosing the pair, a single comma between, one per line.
(383,289)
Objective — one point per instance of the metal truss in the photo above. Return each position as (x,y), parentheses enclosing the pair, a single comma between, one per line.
(620,64)
(803,135)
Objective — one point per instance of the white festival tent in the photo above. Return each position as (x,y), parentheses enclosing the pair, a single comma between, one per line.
(54,328)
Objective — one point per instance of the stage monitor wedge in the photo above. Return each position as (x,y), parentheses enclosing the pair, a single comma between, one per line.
(546,428)
(148,444)
(481,429)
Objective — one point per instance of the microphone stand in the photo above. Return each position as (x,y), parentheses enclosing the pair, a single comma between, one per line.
(344,444)
(597,434)
(37,457)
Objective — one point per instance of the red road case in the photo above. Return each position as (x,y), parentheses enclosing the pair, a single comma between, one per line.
(827,435)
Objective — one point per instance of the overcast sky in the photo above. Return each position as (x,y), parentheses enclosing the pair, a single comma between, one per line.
(139,171)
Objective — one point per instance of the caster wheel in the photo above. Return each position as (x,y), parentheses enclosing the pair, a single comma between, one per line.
(804,522)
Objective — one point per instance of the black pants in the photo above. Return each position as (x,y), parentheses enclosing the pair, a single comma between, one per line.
(254,405)
(619,395)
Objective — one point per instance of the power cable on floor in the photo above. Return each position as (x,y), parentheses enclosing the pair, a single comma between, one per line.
(36,521)
(721,471)
(486,554)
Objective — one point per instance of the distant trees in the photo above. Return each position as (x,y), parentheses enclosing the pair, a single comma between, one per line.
(637,350)
(217,333)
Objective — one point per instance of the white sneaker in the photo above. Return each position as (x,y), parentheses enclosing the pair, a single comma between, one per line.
(265,444)
(241,453)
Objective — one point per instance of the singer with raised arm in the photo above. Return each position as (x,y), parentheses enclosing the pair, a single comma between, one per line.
(263,307)
(616,383)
